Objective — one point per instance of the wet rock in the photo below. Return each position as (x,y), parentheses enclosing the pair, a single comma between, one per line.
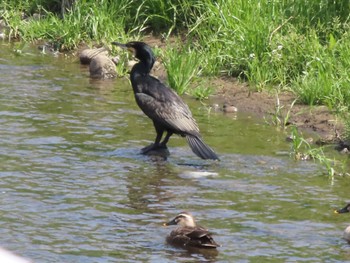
(229,108)
(345,151)
(116,59)
(9,257)
(215,107)
(131,63)
(343,147)
(87,55)
(158,154)
(102,67)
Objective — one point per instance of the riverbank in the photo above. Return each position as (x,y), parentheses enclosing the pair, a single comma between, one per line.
(280,109)
(287,53)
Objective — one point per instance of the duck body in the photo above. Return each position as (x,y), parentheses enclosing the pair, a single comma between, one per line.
(191,237)
(188,234)
(163,105)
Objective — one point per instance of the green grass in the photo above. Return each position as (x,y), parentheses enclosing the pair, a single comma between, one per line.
(182,67)
(301,150)
(298,45)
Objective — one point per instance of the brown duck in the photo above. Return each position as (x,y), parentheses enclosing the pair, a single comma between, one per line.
(188,234)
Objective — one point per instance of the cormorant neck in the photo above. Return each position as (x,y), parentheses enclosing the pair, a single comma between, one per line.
(142,68)
(138,70)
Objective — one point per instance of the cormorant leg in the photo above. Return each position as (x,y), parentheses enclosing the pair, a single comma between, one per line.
(166,139)
(156,143)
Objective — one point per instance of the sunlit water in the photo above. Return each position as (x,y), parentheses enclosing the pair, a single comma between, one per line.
(74,187)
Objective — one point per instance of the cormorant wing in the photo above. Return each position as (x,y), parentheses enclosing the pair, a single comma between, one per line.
(164,106)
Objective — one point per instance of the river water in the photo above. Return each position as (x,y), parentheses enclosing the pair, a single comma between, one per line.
(74,188)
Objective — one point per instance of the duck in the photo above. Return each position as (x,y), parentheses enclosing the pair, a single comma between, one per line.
(189,234)
(343,210)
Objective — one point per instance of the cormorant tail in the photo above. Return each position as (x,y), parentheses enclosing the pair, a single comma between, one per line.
(200,148)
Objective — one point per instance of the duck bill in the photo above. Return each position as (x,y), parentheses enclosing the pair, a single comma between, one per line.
(343,210)
(119,44)
(170,223)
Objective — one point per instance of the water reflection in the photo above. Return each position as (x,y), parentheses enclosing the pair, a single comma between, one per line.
(147,187)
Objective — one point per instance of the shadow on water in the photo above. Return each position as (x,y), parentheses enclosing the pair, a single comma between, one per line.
(74,187)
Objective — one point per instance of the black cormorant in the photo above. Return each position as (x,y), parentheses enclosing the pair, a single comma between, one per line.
(162,105)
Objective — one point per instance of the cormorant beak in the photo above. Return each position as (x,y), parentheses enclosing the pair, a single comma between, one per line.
(119,44)
(343,210)
(131,49)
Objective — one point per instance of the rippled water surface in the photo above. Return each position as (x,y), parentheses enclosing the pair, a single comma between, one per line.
(74,187)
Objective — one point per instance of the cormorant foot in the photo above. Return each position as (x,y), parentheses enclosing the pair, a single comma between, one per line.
(153,147)
(149,148)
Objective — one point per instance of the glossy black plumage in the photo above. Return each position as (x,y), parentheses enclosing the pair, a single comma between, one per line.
(162,105)
(188,234)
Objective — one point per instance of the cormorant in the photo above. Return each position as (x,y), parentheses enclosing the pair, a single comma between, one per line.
(162,105)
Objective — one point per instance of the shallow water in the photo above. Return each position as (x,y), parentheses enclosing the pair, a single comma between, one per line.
(74,187)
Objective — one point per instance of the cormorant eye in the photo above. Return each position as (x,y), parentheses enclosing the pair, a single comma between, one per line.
(132,50)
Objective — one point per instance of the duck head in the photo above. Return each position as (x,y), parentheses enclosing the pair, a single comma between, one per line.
(183,219)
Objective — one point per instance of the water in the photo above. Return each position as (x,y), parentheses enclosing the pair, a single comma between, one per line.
(74,187)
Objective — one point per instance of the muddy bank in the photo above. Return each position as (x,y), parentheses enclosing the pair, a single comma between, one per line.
(316,120)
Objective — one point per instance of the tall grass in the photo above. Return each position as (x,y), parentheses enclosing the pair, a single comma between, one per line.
(182,67)
(299,45)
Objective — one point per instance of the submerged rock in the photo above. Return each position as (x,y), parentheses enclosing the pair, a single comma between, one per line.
(102,67)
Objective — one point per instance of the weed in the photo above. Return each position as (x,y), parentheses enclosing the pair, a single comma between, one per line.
(201,91)
(302,150)
(280,117)
(182,67)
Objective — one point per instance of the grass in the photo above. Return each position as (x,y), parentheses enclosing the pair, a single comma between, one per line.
(280,117)
(182,67)
(302,150)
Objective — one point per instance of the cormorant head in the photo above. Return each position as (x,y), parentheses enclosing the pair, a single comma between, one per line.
(140,50)
(183,219)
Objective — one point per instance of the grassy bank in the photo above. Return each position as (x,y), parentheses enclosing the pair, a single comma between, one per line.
(273,44)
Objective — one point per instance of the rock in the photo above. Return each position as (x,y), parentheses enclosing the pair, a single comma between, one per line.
(8,257)
(215,107)
(229,108)
(102,67)
(88,54)
(116,59)
(131,63)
